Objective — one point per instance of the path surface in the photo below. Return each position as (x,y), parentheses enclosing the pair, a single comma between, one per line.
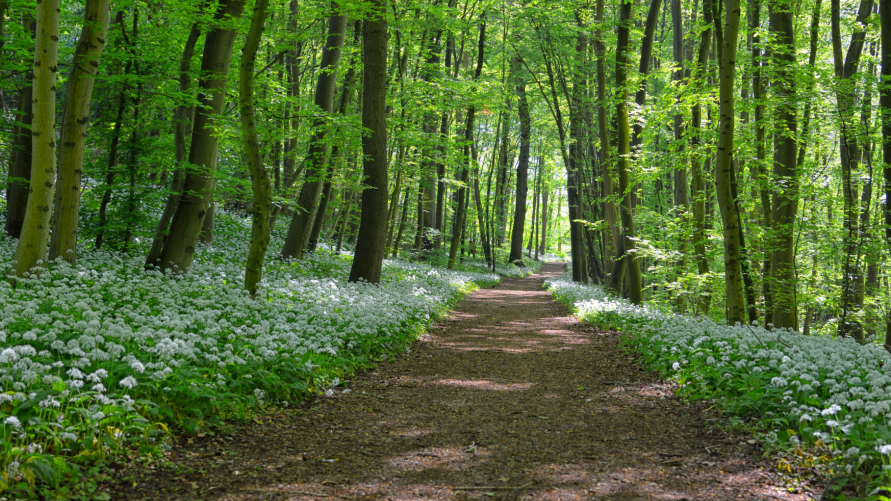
(508,398)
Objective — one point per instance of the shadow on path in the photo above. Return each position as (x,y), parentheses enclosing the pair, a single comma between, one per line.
(507,398)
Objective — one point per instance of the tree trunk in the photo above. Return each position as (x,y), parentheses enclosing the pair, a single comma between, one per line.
(290,172)
(461,214)
(75,121)
(852,285)
(785,173)
(532,238)
(402,221)
(542,248)
(698,186)
(369,256)
(185,227)
(32,244)
(480,215)
(646,55)
(346,94)
(261,187)
(315,160)
(182,131)
(429,217)
(609,204)
(625,251)
(112,162)
(736,307)
(760,155)
(17,194)
(346,219)
(885,107)
(131,159)
(516,240)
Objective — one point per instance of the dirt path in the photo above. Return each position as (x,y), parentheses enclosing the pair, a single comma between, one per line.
(508,398)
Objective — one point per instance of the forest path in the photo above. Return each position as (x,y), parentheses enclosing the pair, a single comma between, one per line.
(508,398)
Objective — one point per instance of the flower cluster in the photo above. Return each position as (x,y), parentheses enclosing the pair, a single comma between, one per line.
(808,390)
(105,354)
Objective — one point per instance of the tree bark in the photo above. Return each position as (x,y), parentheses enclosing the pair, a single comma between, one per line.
(785,173)
(185,228)
(75,122)
(370,248)
(885,108)
(315,160)
(736,307)
(516,240)
(20,172)
(32,244)
(261,187)
(182,131)
(542,248)
(852,286)
(699,73)
(112,162)
(626,250)
(346,95)
(761,155)
(609,204)
(480,215)
(463,194)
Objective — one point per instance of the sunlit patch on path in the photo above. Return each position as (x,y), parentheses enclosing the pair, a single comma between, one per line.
(507,398)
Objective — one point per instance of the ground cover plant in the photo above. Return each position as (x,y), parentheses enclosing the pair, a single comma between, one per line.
(828,395)
(104,356)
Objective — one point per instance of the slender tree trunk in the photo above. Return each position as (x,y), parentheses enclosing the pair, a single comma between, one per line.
(736,307)
(852,285)
(310,194)
(261,187)
(542,248)
(290,172)
(32,244)
(393,206)
(480,215)
(17,197)
(804,135)
(185,227)
(182,132)
(646,56)
(461,214)
(532,238)
(111,164)
(402,221)
(699,74)
(626,250)
(75,121)
(609,205)
(345,223)
(346,94)
(369,256)
(516,241)
(131,165)
(428,214)
(885,107)
(761,155)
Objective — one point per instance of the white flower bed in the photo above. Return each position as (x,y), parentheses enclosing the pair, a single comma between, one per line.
(803,389)
(104,354)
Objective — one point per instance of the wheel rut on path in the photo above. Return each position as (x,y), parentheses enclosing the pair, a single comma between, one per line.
(509,397)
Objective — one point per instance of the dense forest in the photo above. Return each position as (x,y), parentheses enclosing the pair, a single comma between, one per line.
(743,189)
(708,158)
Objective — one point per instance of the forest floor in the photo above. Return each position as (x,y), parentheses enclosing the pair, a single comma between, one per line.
(509,397)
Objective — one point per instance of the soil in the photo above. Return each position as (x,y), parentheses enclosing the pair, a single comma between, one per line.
(508,398)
